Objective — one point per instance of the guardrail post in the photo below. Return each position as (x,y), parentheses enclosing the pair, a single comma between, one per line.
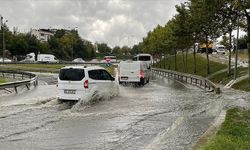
(27,86)
(15,89)
(217,90)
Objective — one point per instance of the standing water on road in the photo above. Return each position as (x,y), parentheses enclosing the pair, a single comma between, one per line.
(164,114)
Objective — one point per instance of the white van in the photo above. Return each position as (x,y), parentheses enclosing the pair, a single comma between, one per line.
(82,83)
(133,72)
(47,58)
(145,58)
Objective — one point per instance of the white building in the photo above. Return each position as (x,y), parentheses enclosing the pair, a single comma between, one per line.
(42,34)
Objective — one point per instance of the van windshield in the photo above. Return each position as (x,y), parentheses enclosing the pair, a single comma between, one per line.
(71,74)
(144,58)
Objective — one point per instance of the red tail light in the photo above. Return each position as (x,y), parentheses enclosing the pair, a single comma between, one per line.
(86,84)
(141,73)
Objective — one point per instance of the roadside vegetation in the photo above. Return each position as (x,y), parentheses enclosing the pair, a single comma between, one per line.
(243,85)
(2,80)
(169,63)
(223,77)
(234,132)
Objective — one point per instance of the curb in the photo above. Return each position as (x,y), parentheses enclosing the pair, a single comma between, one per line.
(204,138)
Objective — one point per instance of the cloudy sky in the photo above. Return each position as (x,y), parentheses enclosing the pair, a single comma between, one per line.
(116,22)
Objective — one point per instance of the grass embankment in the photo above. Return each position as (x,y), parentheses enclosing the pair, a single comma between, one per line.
(224,78)
(44,67)
(234,133)
(2,81)
(243,85)
(169,63)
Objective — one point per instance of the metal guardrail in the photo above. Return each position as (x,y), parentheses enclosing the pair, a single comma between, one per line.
(27,79)
(61,63)
(195,80)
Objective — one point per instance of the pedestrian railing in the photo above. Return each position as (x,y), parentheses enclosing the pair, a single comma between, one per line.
(195,80)
(23,79)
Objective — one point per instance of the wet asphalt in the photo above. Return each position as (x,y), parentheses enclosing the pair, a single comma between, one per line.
(163,114)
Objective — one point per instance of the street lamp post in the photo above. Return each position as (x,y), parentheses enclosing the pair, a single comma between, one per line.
(2,28)
(72,43)
(236,50)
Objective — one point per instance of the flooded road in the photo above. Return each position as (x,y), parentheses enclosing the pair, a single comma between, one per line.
(162,115)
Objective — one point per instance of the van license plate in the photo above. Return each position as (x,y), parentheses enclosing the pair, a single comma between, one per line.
(124,78)
(70,91)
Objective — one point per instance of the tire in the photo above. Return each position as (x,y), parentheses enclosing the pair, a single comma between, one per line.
(142,82)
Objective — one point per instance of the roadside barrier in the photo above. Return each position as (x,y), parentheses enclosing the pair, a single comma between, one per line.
(195,80)
(24,79)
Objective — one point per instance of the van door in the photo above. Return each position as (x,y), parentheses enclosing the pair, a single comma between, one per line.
(70,83)
(130,72)
(101,79)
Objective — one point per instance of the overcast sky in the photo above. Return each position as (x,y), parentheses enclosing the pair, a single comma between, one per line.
(116,22)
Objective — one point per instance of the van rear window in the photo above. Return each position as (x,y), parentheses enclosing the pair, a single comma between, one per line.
(144,58)
(71,74)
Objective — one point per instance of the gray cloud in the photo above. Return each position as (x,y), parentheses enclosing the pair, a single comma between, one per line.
(116,22)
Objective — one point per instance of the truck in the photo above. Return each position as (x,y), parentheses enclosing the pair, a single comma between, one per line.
(202,47)
(42,58)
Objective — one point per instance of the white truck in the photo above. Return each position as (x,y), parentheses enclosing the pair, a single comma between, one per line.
(43,58)
(133,72)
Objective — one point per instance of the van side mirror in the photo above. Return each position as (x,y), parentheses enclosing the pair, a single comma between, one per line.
(112,79)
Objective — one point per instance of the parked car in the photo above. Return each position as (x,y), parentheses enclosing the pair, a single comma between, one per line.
(133,72)
(81,83)
(78,60)
(6,60)
(145,58)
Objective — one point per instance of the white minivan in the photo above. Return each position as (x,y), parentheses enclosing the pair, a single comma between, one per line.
(82,83)
(145,58)
(133,72)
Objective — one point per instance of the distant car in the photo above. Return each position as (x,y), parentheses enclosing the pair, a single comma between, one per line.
(220,49)
(78,60)
(110,59)
(6,60)
(133,72)
(94,61)
(82,83)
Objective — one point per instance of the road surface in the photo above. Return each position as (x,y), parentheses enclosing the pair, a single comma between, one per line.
(162,115)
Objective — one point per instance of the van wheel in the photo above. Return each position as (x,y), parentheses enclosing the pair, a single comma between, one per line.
(142,82)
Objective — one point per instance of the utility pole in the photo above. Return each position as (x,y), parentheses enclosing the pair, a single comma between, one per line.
(2,27)
(1,21)
(236,51)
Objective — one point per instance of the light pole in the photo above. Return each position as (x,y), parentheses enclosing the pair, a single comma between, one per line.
(236,50)
(72,42)
(2,28)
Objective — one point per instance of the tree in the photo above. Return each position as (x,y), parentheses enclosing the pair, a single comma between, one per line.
(103,48)
(182,32)
(209,23)
(116,50)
